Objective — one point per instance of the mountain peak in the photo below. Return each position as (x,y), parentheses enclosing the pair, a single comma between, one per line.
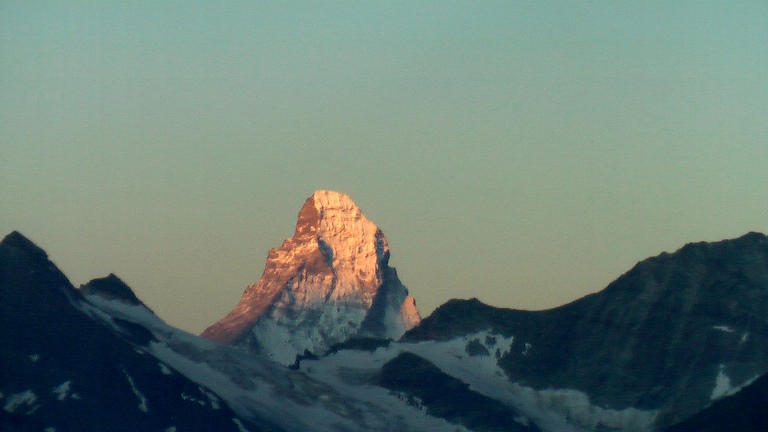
(18,242)
(342,233)
(330,203)
(322,206)
(329,282)
(331,215)
(111,288)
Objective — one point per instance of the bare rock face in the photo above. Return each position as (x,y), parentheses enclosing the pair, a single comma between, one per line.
(328,283)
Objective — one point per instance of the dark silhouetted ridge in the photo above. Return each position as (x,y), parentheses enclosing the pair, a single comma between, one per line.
(111,287)
(460,317)
(656,338)
(20,244)
(80,374)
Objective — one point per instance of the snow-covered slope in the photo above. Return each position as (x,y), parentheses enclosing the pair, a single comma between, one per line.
(262,391)
(343,390)
(327,283)
(472,360)
(349,389)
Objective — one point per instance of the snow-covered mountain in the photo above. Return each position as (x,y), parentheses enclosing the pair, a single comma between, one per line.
(678,336)
(329,282)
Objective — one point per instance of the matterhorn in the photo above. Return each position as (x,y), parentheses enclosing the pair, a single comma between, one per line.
(328,283)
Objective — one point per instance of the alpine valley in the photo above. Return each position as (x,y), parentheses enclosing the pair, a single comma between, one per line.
(329,339)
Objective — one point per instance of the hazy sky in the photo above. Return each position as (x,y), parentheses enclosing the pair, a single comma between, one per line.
(525,153)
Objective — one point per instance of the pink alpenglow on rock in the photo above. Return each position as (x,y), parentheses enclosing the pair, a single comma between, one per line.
(328,283)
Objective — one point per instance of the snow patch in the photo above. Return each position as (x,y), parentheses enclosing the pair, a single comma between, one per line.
(164,369)
(63,390)
(724,387)
(239,425)
(576,407)
(412,400)
(724,328)
(522,420)
(119,309)
(527,348)
(212,399)
(142,400)
(187,397)
(34,358)
(17,401)
(170,429)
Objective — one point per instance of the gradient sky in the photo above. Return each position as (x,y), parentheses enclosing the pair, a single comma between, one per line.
(525,153)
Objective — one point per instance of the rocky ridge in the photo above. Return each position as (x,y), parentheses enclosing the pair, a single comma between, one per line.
(329,282)
(672,335)
(63,368)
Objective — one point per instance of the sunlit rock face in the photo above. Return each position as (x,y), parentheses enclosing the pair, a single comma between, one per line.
(329,282)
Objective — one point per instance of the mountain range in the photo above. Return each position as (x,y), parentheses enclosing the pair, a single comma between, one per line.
(329,339)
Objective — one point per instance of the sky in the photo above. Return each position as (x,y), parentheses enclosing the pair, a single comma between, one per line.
(524,153)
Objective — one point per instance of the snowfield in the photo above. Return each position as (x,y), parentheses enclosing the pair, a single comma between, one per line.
(552,410)
(337,391)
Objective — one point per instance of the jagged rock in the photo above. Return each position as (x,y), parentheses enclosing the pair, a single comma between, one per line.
(327,283)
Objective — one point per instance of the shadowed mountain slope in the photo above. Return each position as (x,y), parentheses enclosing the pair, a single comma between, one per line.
(61,369)
(744,411)
(664,336)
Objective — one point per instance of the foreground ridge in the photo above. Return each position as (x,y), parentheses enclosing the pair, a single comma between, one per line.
(671,336)
(67,365)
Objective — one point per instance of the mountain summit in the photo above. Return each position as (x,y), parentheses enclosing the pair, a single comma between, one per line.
(331,281)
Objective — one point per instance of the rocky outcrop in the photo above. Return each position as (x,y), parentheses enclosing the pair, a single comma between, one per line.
(327,283)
